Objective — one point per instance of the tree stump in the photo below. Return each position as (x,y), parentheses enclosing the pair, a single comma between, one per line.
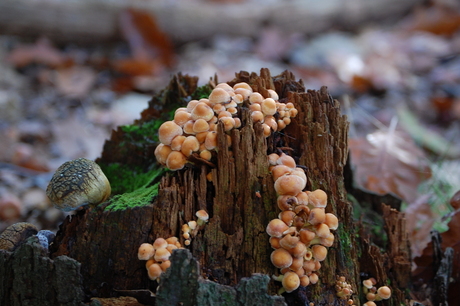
(240,199)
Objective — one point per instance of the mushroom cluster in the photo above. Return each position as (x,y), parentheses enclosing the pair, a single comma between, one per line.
(373,294)
(157,255)
(302,232)
(191,228)
(343,289)
(193,129)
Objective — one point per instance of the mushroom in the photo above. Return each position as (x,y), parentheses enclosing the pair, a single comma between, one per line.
(190,145)
(161,255)
(276,228)
(289,185)
(202,111)
(76,183)
(202,216)
(154,271)
(15,234)
(176,160)
(331,221)
(281,258)
(220,95)
(176,144)
(268,106)
(384,292)
(167,131)
(291,281)
(317,198)
(316,216)
(319,252)
(162,151)
(160,243)
(146,251)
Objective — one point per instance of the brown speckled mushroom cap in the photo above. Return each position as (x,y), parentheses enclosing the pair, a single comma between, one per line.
(14,234)
(76,183)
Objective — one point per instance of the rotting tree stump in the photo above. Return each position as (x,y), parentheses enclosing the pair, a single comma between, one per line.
(240,199)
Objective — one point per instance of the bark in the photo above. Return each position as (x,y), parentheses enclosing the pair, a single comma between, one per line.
(30,277)
(97,20)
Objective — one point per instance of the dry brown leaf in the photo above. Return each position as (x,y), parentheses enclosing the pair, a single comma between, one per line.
(437,19)
(42,52)
(145,38)
(389,162)
(419,222)
(76,81)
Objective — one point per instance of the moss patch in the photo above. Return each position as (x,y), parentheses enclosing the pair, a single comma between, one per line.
(131,187)
(202,92)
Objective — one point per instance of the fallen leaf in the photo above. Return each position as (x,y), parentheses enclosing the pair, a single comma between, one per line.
(75,82)
(389,162)
(42,52)
(437,19)
(419,222)
(145,38)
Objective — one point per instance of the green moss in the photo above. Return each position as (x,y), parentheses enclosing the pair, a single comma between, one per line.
(147,131)
(131,186)
(202,92)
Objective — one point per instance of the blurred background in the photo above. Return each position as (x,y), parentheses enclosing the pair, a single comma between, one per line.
(71,71)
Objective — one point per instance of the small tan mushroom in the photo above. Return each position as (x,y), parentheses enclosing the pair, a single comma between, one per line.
(281,258)
(219,95)
(202,111)
(202,216)
(162,152)
(146,251)
(291,281)
(289,185)
(276,228)
(176,161)
(167,131)
(154,271)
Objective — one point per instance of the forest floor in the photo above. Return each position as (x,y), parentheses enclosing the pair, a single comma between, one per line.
(398,83)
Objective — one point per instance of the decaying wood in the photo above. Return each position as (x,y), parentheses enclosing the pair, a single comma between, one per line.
(231,252)
(97,20)
(29,277)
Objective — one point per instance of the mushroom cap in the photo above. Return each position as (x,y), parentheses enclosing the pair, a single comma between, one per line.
(255,97)
(181,117)
(313,278)
(280,170)
(160,243)
(317,198)
(316,216)
(384,292)
(167,131)
(281,258)
(161,255)
(332,221)
(202,215)
(146,251)
(76,183)
(322,230)
(176,160)
(176,145)
(162,152)
(154,271)
(276,228)
(219,95)
(268,106)
(190,145)
(319,252)
(289,241)
(15,234)
(291,281)
(202,111)
(200,125)
(306,236)
(368,283)
(289,184)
